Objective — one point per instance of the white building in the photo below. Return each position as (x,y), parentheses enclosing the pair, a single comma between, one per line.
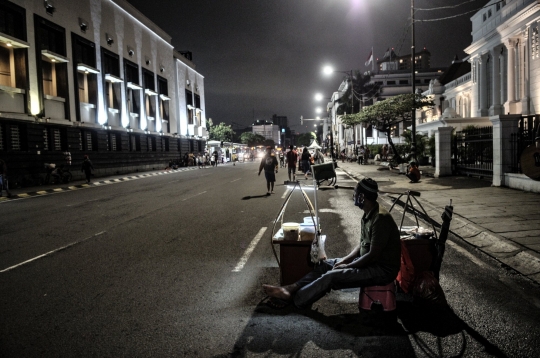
(502,86)
(95,76)
(268,130)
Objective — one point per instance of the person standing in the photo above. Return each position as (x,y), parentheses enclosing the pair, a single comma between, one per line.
(87,168)
(3,178)
(292,158)
(269,163)
(375,260)
(366,155)
(306,156)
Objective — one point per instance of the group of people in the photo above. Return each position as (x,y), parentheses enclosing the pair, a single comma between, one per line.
(291,159)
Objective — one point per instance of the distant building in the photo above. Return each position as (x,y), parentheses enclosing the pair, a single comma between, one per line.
(267,129)
(94,77)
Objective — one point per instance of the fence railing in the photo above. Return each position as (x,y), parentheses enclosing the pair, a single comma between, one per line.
(523,138)
(473,151)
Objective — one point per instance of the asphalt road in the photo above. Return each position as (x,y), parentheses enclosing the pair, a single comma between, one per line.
(171,266)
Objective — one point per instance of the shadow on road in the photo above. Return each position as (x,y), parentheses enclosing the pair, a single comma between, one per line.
(255,196)
(406,332)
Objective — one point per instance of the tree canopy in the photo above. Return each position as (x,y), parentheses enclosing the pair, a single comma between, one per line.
(305,139)
(364,91)
(252,139)
(384,115)
(221,132)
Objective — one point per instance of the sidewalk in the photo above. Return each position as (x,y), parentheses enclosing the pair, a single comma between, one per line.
(501,222)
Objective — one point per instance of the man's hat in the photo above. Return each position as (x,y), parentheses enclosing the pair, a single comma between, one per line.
(368,187)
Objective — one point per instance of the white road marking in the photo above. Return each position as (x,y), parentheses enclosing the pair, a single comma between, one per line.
(191,197)
(235,180)
(465,253)
(51,252)
(285,193)
(249,250)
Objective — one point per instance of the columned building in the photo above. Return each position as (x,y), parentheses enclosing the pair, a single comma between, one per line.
(98,78)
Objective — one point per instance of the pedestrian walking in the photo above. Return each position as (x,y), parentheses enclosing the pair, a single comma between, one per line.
(3,179)
(306,156)
(292,158)
(270,164)
(87,168)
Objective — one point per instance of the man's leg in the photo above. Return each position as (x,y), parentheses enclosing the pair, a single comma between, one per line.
(286,292)
(272,186)
(340,279)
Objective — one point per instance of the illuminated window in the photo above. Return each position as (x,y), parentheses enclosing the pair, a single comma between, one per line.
(189,106)
(164,100)
(149,82)
(51,40)
(84,60)
(12,53)
(113,82)
(133,87)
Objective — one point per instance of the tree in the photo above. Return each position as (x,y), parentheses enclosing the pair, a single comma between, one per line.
(252,139)
(305,139)
(221,132)
(364,92)
(385,115)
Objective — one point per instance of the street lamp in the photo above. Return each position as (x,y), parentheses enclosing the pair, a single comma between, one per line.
(328,70)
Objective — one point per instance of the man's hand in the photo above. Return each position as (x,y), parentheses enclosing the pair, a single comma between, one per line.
(259,174)
(276,171)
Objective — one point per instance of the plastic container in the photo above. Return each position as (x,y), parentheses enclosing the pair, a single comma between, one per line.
(309,220)
(307,232)
(290,231)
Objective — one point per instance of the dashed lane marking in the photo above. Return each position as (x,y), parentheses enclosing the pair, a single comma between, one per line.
(191,197)
(52,252)
(85,185)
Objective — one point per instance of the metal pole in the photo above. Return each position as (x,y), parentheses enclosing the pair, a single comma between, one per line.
(413,69)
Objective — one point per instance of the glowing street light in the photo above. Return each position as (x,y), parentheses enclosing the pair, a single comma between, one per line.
(318,110)
(318,97)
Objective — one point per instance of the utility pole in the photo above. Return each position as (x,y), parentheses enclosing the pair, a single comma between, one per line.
(413,69)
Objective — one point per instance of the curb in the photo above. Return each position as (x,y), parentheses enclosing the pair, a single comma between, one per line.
(518,258)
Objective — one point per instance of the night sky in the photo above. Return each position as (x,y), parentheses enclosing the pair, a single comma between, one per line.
(265,57)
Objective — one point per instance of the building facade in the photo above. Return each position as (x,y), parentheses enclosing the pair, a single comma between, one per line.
(97,78)
(500,87)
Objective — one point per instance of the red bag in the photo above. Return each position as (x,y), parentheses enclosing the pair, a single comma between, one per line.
(428,290)
(416,257)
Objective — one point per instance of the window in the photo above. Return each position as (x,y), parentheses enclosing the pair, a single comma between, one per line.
(84,61)
(13,53)
(489,13)
(88,141)
(189,106)
(133,97)
(111,71)
(51,40)
(151,144)
(164,103)
(54,139)
(150,95)
(135,142)
(403,82)
(13,137)
(13,20)
(390,82)
(198,111)
(484,17)
(114,142)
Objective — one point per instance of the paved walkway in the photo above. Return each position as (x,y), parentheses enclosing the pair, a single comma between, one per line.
(504,223)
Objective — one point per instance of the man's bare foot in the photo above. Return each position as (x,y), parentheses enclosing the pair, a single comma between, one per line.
(277,292)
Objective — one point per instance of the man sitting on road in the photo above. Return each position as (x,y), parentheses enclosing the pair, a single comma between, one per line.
(375,261)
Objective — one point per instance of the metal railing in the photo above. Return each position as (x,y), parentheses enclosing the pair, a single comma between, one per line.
(473,151)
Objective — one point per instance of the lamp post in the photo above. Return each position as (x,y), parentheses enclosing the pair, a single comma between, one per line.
(328,70)
(319,97)
(413,75)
